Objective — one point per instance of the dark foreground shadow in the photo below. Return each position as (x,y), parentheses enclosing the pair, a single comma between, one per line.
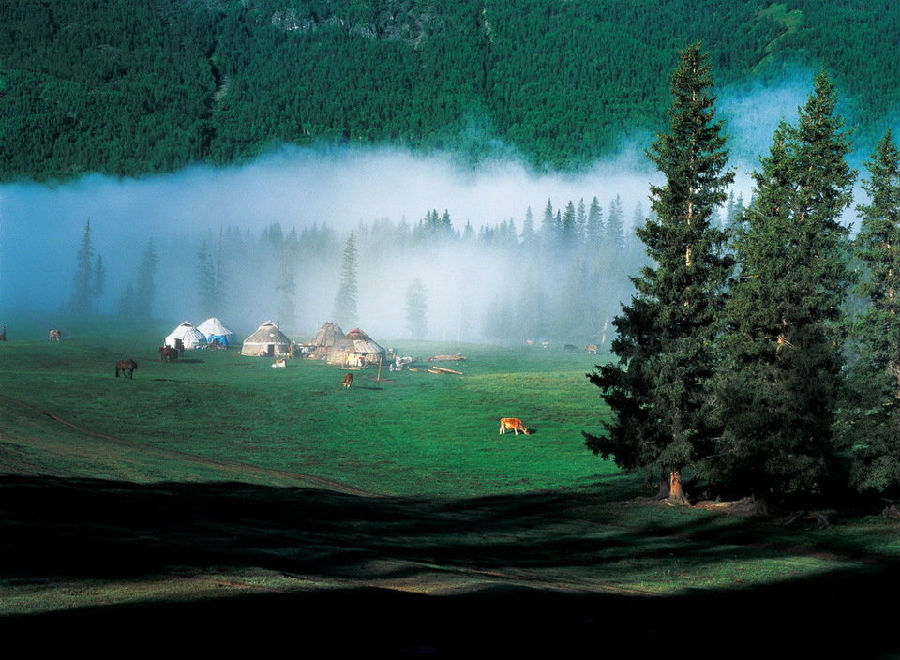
(54,529)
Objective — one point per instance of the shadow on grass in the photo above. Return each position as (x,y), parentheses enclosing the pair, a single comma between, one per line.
(539,560)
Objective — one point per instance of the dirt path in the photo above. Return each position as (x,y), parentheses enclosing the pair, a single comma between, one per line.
(238,468)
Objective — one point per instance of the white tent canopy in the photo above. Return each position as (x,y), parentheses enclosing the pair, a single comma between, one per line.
(189,335)
(213,328)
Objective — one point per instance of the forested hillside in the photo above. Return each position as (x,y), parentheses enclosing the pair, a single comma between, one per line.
(154,85)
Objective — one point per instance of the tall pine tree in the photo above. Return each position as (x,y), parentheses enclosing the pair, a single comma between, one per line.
(874,403)
(658,388)
(83,285)
(346,299)
(782,351)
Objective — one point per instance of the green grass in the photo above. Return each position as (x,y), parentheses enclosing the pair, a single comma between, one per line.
(410,433)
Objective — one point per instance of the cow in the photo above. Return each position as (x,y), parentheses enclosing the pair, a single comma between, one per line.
(55,335)
(348,380)
(591,348)
(513,423)
(280,364)
(127,368)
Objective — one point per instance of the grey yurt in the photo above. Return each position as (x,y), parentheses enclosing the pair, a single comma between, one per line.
(326,338)
(267,341)
(356,349)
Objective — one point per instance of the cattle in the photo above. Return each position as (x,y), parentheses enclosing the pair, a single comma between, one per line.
(348,380)
(55,335)
(591,348)
(513,423)
(279,364)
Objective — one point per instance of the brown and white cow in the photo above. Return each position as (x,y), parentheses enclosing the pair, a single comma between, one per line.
(348,380)
(55,335)
(591,348)
(513,423)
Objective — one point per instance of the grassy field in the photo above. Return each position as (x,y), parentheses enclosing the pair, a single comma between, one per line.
(220,488)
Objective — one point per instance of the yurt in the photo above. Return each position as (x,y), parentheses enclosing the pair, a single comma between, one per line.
(356,349)
(267,341)
(326,338)
(187,335)
(216,332)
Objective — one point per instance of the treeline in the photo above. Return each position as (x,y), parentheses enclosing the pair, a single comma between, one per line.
(130,88)
(739,362)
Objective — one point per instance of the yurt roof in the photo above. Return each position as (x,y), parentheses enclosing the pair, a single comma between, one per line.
(328,335)
(214,327)
(185,330)
(268,333)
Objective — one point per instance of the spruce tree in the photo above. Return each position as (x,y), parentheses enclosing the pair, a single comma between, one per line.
(145,290)
(657,391)
(83,285)
(782,351)
(346,299)
(874,404)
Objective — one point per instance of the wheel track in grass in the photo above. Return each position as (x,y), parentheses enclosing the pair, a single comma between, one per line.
(238,467)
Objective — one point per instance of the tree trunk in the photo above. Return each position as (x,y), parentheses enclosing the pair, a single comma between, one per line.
(676,490)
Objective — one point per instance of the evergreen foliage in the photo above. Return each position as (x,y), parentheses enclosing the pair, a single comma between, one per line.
(84,288)
(871,418)
(658,389)
(345,302)
(131,87)
(780,379)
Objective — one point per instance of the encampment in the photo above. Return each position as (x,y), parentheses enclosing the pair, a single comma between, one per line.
(357,349)
(267,341)
(216,332)
(186,335)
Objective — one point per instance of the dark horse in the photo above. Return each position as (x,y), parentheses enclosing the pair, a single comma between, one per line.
(167,353)
(127,368)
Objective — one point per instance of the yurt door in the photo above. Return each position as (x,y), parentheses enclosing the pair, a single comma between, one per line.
(270,350)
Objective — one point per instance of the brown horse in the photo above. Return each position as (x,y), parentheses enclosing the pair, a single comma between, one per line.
(127,368)
(167,353)
(55,335)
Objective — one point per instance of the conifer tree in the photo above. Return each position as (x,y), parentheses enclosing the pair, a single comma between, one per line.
(657,390)
(145,289)
(346,299)
(782,352)
(83,289)
(874,424)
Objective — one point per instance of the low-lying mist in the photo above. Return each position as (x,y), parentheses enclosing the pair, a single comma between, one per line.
(274,231)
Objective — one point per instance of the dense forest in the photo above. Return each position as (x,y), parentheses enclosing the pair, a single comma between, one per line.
(152,86)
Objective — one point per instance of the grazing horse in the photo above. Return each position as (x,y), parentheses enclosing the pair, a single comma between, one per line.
(55,335)
(348,380)
(127,368)
(167,353)
(513,423)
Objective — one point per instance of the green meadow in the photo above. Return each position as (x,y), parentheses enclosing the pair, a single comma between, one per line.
(216,478)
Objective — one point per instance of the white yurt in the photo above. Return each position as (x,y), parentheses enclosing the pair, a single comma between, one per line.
(216,332)
(189,335)
(267,341)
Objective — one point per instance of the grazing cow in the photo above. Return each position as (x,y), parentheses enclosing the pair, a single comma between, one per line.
(127,368)
(591,348)
(348,380)
(55,335)
(279,364)
(513,423)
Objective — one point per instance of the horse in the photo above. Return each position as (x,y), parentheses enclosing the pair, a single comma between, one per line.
(55,335)
(127,368)
(3,334)
(167,353)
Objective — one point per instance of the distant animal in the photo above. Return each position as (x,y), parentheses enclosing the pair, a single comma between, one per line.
(569,347)
(55,335)
(514,423)
(168,353)
(591,348)
(545,344)
(348,380)
(279,364)
(3,334)
(127,368)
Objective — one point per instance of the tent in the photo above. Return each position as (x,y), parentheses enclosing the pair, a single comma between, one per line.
(216,331)
(268,341)
(326,338)
(356,349)
(188,335)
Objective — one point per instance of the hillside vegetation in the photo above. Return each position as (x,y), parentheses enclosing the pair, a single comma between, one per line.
(129,88)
